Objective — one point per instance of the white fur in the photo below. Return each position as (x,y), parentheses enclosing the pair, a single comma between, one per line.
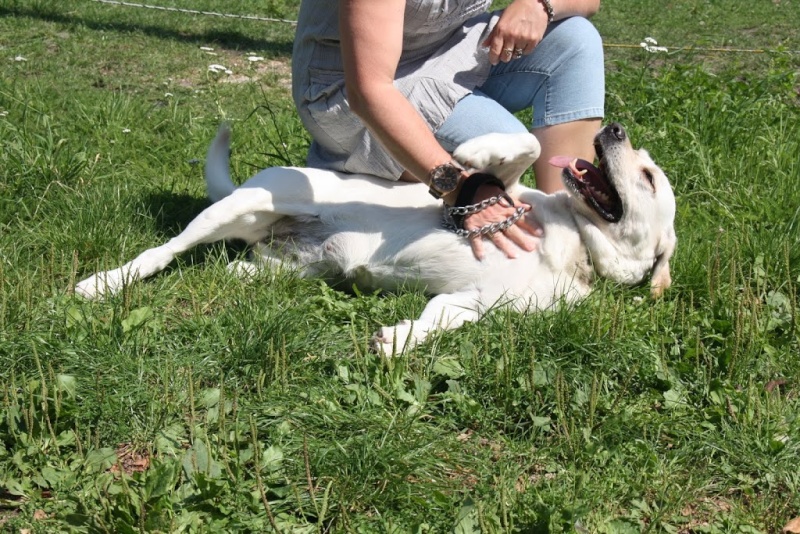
(383,235)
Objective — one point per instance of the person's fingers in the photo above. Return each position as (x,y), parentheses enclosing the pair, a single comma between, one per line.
(508,52)
(520,238)
(495,45)
(501,51)
(521,235)
(530,224)
(518,31)
(477,247)
(502,48)
(533,229)
(504,244)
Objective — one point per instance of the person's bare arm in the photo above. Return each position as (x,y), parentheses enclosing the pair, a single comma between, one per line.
(372,40)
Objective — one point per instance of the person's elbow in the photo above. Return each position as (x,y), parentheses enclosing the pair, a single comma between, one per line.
(363,97)
(592,7)
(356,99)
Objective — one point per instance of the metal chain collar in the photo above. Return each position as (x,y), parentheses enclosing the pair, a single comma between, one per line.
(486,229)
(469,209)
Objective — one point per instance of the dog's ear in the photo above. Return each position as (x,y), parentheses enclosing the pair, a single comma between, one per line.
(660,277)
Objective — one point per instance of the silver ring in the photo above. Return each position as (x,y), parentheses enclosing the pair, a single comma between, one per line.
(508,51)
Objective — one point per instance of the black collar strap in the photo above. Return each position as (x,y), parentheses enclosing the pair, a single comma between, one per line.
(469,187)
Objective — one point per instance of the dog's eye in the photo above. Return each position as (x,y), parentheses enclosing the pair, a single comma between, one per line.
(649,176)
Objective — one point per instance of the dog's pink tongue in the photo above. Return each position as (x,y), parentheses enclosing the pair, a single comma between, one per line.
(577,166)
(562,162)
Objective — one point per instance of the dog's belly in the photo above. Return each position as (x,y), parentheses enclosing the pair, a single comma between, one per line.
(381,247)
(403,249)
(424,258)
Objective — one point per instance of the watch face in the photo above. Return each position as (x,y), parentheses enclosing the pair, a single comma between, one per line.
(445,178)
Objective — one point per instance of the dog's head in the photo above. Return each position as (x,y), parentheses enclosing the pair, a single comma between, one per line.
(625,210)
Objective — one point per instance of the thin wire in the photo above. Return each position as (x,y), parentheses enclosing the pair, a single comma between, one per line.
(294,23)
(195,11)
(708,49)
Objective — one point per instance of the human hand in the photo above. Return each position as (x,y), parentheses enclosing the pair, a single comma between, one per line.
(520,28)
(520,235)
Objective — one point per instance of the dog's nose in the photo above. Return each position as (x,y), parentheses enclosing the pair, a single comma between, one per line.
(617,131)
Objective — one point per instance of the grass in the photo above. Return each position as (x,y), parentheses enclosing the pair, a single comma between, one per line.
(196,402)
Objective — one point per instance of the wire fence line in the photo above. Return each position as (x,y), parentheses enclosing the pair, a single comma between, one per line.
(294,23)
(704,49)
(195,11)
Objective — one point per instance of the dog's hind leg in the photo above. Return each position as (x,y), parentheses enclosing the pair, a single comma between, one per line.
(241,215)
(262,258)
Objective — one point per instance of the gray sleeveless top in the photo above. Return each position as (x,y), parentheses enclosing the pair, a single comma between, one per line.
(442,61)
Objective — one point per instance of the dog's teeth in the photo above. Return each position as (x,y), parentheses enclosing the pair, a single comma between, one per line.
(598,194)
(573,167)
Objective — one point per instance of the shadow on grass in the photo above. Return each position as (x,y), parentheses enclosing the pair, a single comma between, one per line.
(171,212)
(227,39)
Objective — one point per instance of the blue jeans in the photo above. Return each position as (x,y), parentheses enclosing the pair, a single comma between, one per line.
(563,80)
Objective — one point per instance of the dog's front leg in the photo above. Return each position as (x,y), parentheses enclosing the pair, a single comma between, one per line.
(506,156)
(443,312)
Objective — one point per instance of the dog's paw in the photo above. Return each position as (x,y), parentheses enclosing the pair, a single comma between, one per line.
(100,284)
(392,340)
(244,269)
(497,149)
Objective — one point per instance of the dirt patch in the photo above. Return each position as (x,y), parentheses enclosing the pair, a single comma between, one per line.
(701,513)
(249,68)
(130,460)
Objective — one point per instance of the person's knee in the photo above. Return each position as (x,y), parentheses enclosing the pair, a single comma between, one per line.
(474,115)
(579,36)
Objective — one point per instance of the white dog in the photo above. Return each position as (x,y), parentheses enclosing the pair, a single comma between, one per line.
(614,220)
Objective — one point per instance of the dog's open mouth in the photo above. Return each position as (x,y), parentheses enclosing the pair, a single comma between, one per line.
(592,184)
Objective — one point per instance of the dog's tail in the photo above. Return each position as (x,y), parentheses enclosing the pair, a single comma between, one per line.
(218,175)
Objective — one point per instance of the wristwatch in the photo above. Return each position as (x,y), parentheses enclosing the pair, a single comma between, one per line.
(444,179)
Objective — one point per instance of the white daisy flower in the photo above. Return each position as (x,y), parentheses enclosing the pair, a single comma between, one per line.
(219,68)
(651,45)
